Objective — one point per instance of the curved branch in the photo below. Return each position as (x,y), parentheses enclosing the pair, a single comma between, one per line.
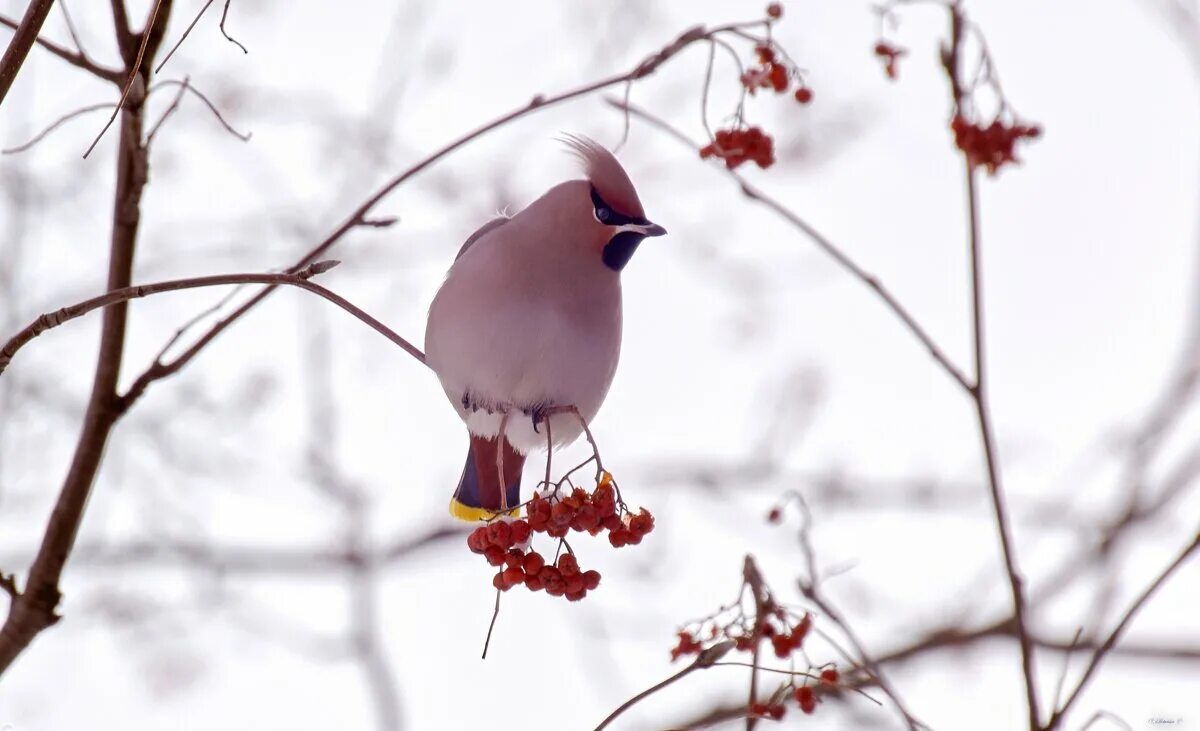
(297,279)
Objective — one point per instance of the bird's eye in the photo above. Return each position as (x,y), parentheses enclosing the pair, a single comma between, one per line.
(603,214)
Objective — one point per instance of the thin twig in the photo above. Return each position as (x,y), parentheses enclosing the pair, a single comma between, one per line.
(491,626)
(1108,644)
(183,37)
(169,111)
(55,125)
(705,659)
(134,70)
(243,136)
(297,279)
(231,39)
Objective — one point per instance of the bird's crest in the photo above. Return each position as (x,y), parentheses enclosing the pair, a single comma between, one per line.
(606,175)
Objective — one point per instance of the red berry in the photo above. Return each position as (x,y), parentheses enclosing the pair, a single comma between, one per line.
(494,555)
(499,582)
(499,534)
(513,576)
(591,579)
(776,711)
(779,78)
(618,538)
(478,541)
(574,583)
(775,10)
(829,676)
(642,523)
(533,582)
(804,95)
(533,562)
(520,531)
(568,564)
(576,595)
(561,514)
(806,698)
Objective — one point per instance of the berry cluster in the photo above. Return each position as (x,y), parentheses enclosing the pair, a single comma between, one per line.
(890,56)
(785,636)
(505,543)
(736,146)
(804,695)
(991,146)
(774,73)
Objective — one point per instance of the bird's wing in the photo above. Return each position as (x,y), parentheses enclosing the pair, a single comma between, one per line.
(488,227)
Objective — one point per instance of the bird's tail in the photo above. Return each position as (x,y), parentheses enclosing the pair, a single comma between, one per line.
(478,493)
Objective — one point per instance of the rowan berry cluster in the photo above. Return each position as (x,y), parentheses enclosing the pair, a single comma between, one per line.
(772,69)
(992,146)
(805,696)
(774,72)
(736,146)
(785,633)
(505,544)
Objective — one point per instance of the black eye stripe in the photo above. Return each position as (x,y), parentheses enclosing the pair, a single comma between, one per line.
(614,218)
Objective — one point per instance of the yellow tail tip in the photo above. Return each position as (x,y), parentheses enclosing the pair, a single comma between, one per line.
(469,514)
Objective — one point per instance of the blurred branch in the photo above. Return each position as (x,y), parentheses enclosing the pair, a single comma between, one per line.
(951,65)
(17,50)
(1108,644)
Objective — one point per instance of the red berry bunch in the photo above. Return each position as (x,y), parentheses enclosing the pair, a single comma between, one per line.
(504,543)
(736,146)
(991,146)
(775,73)
(785,637)
(889,55)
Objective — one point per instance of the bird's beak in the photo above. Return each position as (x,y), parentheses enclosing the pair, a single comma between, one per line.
(646,229)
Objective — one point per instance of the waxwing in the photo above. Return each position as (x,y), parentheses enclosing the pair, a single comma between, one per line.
(529,317)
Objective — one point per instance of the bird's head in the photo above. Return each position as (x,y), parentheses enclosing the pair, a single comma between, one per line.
(611,212)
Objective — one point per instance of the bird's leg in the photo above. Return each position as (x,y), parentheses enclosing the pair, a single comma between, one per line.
(500,462)
(537,414)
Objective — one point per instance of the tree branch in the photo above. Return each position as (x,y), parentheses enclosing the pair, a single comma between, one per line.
(34,609)
(22,41)
(58,317)
(1108,644)
(74,58)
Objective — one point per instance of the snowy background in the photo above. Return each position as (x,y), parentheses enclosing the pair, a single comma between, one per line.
(207,590)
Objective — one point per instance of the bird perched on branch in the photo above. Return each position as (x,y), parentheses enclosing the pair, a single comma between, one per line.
(529,318)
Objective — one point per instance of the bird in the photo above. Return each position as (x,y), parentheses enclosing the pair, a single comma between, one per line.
(528,318)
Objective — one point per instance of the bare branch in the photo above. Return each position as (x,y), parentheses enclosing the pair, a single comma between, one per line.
(134,72)
(1108,644)
(58,317)
(706,659)
(55,125)
(75,59)
(183,37)
(243,136)
(22,41)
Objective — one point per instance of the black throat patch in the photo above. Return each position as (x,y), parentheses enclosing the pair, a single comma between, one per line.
(620,248)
